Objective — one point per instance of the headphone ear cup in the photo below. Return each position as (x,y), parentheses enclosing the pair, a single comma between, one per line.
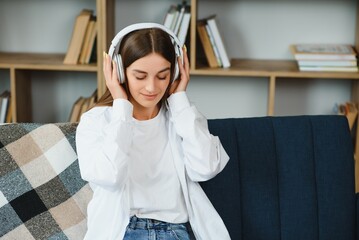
(179,53)
(176,72)
(120,70)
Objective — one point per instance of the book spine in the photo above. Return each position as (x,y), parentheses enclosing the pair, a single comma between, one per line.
(214,45)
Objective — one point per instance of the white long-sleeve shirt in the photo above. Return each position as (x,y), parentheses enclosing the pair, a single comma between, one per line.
(104,140)
(155,187)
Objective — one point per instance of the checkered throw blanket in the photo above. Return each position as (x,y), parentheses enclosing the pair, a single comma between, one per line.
(42,195)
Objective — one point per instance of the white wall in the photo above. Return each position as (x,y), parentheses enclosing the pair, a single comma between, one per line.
(251,29)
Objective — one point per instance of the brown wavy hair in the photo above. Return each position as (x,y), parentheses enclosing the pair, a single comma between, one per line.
(138,44)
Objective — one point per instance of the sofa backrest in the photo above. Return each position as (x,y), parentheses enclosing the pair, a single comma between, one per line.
(288,178)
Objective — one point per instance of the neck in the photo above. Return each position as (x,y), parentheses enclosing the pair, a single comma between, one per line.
(141,113)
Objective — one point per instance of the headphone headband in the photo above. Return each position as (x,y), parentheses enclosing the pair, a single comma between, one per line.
(116,42)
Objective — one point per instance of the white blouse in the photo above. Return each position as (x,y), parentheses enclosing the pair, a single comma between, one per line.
(104,142)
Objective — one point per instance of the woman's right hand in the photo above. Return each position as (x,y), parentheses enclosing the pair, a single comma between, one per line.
(111,77)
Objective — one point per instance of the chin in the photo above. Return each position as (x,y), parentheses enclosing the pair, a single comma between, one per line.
(148,104)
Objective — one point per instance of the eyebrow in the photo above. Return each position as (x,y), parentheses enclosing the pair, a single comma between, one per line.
(161,71)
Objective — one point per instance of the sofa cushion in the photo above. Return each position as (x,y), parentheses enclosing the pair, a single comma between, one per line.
(42,195)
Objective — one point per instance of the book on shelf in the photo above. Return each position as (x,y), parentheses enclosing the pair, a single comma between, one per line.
(184,26)
(214,45)
(216,40)
(207,44)
(327,63)
(181,10)
(78,35)
(89,41)
(213,26)
(328,69)
(178,19)
(81,105)
(4,106)
(170,17)
(323,52)
(325,57)
(9,114)
(76,109)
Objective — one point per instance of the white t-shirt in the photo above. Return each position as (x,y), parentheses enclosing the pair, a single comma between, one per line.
(155,190)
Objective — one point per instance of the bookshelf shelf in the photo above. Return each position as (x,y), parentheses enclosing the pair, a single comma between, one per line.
(268,68)
(41,61)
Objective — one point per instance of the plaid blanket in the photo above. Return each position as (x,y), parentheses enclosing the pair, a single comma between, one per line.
(42,195)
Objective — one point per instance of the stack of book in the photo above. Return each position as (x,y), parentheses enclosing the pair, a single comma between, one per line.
(81,105)
(82,46)
(5,107)
(177,19)
(212,42)
(325,57)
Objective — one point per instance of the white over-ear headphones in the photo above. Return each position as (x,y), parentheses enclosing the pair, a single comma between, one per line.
(116,42)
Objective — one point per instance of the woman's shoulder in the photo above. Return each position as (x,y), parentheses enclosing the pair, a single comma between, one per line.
(96,114)
(97,111)
(120,109)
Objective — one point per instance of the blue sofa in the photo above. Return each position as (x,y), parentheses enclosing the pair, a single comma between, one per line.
(288,178)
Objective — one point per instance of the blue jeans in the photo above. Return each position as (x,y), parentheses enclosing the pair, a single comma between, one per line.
(149,229)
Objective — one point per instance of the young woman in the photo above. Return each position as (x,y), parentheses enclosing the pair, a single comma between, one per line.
(143,148)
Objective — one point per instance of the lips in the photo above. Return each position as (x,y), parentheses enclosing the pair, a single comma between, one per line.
(150,96)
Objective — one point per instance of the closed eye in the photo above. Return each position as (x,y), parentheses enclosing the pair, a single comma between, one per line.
(162,77)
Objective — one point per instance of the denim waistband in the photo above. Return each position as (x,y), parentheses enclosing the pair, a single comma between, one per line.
(146,223)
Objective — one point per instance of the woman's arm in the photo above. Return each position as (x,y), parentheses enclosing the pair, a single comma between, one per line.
(103,139)
(204,156)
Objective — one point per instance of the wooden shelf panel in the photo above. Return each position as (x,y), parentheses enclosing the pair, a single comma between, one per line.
(41,61)
(269,68)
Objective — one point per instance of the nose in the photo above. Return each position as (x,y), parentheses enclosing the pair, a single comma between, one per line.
(151,85)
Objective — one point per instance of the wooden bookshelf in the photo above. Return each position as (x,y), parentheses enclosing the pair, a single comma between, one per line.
(21,65)
(41,61)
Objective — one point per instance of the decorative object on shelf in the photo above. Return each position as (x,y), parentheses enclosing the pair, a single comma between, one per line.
(325,57)
(350,110)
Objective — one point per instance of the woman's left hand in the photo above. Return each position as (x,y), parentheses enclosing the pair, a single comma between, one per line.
(180,84)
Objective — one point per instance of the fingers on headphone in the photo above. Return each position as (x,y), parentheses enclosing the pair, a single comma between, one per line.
(109,66)
(114,70)
(105,60)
